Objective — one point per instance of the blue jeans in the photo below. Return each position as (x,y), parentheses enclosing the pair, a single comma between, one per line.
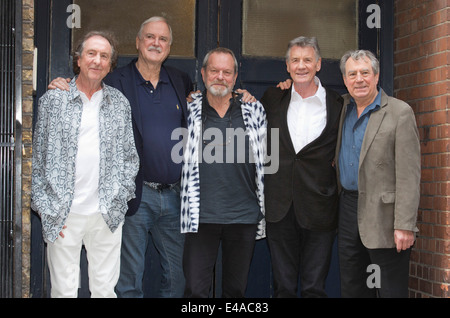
(159,215)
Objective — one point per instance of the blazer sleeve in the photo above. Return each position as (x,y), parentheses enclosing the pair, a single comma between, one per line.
(39,199)
(271,98)
(189,86)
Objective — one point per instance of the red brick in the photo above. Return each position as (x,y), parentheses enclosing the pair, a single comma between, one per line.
(422,79)
(441,174)
(425,286)
(441,290)
(425,230)
(441,232)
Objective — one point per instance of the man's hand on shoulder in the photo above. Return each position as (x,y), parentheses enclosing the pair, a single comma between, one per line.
(246,96)
(60,83)
(285,85)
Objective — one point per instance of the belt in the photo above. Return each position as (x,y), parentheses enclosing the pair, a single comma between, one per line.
(160,186)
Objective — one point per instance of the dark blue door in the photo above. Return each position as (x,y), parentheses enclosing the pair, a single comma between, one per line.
(218,23)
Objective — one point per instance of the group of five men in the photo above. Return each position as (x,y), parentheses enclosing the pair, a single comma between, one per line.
(358,153)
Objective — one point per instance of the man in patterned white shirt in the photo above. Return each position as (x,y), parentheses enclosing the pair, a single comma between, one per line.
(84,166)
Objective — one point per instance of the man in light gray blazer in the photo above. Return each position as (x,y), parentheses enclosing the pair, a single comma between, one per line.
(378,169)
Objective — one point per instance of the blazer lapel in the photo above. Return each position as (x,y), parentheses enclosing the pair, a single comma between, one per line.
(333,109)
(285,134)
(333,112)
(341,124)
(127,81)
(376,118)
(178,85)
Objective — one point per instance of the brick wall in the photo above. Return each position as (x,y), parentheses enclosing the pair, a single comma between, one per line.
(422,79)
(27,119)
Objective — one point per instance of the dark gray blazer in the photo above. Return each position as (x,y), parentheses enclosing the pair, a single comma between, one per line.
(306,179)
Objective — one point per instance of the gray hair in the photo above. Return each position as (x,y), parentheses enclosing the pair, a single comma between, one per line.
(155,19)
(303,41)
(360,54)
(220,50)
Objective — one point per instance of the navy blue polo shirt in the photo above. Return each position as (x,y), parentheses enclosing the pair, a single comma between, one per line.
(161,114)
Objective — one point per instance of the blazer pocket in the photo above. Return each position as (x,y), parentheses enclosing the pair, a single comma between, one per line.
(388,197)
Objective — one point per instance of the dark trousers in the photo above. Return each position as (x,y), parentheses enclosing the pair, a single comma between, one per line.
(358,274)
(200,255)
(298,252)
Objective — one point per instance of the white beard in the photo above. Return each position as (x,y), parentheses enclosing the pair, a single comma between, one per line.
(219,92)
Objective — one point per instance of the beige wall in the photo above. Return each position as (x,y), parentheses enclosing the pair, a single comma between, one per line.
(27,119)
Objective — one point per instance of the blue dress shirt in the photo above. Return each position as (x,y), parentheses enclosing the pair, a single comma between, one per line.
(353,132)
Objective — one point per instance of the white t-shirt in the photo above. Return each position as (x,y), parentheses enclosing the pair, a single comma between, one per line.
(86,199)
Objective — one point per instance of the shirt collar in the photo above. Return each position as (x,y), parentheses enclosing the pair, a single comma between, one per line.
(235,100)
(75,93)
(320,94)
(374,106)
(95,99)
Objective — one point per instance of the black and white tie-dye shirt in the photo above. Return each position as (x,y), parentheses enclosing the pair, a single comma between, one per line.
(55,145)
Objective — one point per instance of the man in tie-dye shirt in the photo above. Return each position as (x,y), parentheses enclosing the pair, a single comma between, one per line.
(84,166)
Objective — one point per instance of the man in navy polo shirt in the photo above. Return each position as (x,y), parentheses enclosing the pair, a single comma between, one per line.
(157,95)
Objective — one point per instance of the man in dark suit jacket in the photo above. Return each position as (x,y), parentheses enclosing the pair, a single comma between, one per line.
(301,197)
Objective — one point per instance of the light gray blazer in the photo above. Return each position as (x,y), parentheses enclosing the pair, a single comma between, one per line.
(389,172)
